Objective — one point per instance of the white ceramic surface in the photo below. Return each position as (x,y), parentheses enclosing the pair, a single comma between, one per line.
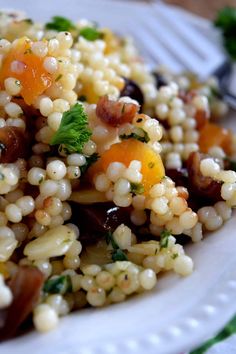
(181,312)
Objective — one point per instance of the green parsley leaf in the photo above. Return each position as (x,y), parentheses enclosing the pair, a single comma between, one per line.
(89,161)
(164,238)
(59,285)
(60,24)
(226,21)
(140,135)
(136,188)
(58,77)
(90,33)
(119,255)
(110,240)
(73,132)
(175,255)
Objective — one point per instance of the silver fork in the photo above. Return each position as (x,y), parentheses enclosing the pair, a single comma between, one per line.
(184,43)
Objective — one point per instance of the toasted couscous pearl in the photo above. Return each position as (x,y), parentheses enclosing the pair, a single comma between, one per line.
(13,213)
(44,266)
(116,295)
(87,282)
(5,45)
(96,296)
(228,190)
(227,176)
(147,279)
(16,122)
(42,217)
(206,213)
(223,210)
(105,280)
(4,98)
(56,170)
(122,186)
(160,205)
(209,167)
(73,172)
(45,318)
(176,116)
(91,269)
(39,49)
(54,120)
(200,102)
(12,86)
(50,64)
(65,39)
(115,170)
(89,148)
(48,188)
(26,204)
(123,200)
(36,176)
(76,160)
(178,205)
(102,183)
(60,105)
(13,109)
(183,265)
(127,282)
(162,111)
(214,223)
(53,206)
(188,219)
(176,134)
(2,123)
(5,294)
(45,106)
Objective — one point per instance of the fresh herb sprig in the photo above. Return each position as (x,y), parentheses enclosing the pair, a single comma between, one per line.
(91,33)
(58,285)
(164,238)
(117,253)
(226,21)
(139,135)
(60,24)
(89,161)
(73,132)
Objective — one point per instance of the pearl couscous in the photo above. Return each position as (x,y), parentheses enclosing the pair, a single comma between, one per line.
(106,169)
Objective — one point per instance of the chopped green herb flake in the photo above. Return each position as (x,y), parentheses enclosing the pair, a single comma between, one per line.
(60,24)
(151,164)
(41,180)
(28,51)
(82,98)
(119,255)
(17,82)
(226,21)
(73,132)
(89,161)
(136,188)
(143,137)
(110,240)
(58,77)
(58,285)
(90,33)
(164,238)
(28,20)
(175,255)
(2,177)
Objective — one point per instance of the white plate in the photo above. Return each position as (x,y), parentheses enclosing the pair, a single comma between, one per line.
(181,312)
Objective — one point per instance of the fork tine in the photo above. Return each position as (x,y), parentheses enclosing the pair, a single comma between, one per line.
(154,49)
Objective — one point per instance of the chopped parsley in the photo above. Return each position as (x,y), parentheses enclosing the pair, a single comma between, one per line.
(151,164)
(60,24)
(82,98)
(139,134)
(17,82)
(58,77)
(28,51)
(90,33)
(226,21)
(164,238)
(58,285)
(117,254)
(73,132)
(89,161)
(232,163)
(136,188)
(175,255)
(2,177)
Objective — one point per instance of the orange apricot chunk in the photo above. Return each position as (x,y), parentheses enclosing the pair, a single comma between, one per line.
(214,135)
(22,64)
(126,151)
